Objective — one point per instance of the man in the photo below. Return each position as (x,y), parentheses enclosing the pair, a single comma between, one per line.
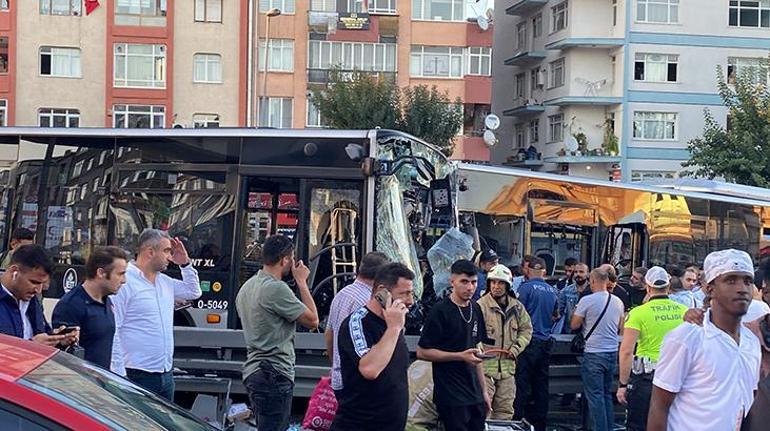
(88,306)
(143,349)
(488,260)
(637,288)
(643,333)
(374,357)
(422,414)
(569,269)
(614,288)
(453,329)
(759,415)
(345,302)
(540,300)
(21,314)
(21,236)
(681,288)
(517,281)
(716,365)
(269,312)
(601,317)
(508,324)
(569,296)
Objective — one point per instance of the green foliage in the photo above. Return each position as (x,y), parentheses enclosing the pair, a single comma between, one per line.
(365,102)
(740,153)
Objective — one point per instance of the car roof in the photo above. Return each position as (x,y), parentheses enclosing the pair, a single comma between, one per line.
(18,357)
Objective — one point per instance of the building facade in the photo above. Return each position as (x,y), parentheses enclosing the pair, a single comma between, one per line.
(617,88)
(205,63)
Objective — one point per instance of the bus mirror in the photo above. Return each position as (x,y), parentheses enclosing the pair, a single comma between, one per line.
(355,152)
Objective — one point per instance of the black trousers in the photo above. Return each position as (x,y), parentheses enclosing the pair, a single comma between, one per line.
(531,401)
(638,396)
(465,418)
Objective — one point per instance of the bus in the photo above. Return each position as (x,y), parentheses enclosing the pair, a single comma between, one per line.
(519,212)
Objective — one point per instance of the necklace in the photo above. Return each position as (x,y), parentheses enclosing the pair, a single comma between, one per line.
(462,316)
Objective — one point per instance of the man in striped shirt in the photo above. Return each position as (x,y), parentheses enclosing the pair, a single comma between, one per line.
(348,300)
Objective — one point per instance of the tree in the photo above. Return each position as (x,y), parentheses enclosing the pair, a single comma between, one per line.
(364,102)
(740,152)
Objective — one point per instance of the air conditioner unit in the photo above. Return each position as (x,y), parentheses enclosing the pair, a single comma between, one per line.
(541,78)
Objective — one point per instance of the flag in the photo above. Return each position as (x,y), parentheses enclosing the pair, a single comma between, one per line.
(91,5)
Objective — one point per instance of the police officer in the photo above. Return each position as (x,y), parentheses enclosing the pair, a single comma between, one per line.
(645,328)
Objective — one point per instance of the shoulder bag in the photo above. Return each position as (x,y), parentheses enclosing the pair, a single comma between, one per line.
(579,341)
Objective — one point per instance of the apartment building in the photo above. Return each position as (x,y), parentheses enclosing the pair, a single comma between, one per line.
(617,88)
(206,63)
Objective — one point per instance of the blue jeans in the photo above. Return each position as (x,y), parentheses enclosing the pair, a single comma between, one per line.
(270,394)
(158,383)
(598,373)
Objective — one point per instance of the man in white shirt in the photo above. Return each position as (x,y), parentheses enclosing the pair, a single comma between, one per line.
(716,365)
(143,348)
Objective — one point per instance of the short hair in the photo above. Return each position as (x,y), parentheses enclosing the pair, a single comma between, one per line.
(527,259)
(23,234)
(599,274)
(371,264)
(588,268)
(570,261)
(390,273)
(537,261)
(464,267)
(275,248)
(759,278)
(32,256)
(641,270)
(104,258)
(151,238)
(674,270)
(676,284)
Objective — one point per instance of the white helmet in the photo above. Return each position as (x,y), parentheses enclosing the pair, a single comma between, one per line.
(501,273)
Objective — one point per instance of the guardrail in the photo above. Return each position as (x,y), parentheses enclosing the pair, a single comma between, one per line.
(202,352)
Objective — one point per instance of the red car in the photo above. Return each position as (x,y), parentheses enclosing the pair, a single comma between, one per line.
(42,388)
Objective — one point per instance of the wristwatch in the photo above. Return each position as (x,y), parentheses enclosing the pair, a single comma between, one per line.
(622,385)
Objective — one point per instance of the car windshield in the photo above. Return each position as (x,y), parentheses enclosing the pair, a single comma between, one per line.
(112,400)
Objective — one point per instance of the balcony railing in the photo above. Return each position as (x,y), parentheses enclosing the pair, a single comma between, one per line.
(321,76)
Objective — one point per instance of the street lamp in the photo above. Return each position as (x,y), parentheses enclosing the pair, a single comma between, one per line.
(263,94)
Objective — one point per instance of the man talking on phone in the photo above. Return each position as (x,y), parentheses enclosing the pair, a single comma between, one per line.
(143,348)
(374,358)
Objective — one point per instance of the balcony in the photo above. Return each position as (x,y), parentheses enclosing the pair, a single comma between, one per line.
(526,58)
(525,108)
(586,100)
(585,42)
(321,76)
(525,7)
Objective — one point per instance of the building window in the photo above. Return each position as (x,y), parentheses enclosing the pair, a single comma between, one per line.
(520,137)
(139,65)
(556,128)
(314,118)
(521,36)
(48,117)
(537,25)
(208,10)
(520,86)
(480,61)
(138,116)
(207,68)
(535,79)
(656,67)
(286,6)
(754,13)
(534,131)
(281,57)
(323,5)
(275,112)
(658,126)
(3,4)
(657,11)
(60,62)
(755,69)
(560,15)
(386,7)
(614,12)
(437,61)
(637,176)
(56,7)
(145,12)
(3,55)
(3,112)
(205,121)
(557,73)
(438,10)
(368,57)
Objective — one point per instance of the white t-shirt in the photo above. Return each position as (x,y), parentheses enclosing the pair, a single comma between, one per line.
(757,309)
(704,366)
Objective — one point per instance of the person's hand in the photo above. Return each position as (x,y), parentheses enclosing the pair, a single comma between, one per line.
(178,252)
(621,394)
(395,314)
(69,338)
(48,340)
(487,402)
(694,316)
(300,272)
(470,357)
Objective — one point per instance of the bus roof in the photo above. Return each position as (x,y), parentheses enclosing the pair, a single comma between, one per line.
(102,132)
(713,187)
(756,198)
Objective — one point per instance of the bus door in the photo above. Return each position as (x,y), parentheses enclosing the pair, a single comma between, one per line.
(625,248)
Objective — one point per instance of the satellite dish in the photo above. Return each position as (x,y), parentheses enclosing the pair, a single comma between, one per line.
(492,122)
(571,144)
(489,138)
(483,22)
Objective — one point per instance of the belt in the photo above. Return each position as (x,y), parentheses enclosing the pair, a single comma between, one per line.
(643,365)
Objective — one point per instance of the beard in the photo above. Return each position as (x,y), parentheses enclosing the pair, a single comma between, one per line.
(580,280)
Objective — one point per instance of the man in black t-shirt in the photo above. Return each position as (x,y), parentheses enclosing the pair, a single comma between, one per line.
(455,326)
(374,358)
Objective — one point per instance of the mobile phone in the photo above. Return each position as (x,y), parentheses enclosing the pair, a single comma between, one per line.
(67,330)
(382,297)
(483,355)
